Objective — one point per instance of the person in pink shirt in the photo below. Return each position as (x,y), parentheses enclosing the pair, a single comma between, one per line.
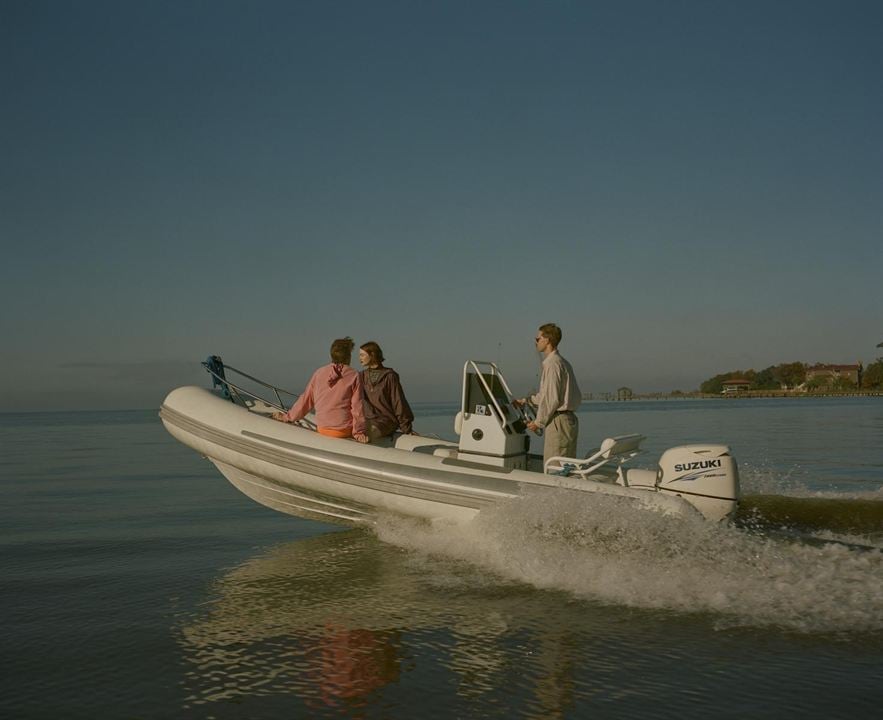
(335,392)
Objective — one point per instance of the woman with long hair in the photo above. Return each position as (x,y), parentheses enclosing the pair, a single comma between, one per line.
(386,407)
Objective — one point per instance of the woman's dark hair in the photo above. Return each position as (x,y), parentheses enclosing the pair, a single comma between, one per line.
(342,350)
(374,351)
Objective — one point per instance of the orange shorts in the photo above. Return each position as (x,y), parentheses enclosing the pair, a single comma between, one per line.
(335,432)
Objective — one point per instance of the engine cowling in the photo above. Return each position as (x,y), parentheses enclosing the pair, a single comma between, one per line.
(706,476)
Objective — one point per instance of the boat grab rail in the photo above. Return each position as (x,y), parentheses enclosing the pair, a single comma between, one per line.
(525,411)
(621,449)
(215,367)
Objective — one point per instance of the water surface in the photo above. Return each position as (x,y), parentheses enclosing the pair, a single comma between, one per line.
(139,584)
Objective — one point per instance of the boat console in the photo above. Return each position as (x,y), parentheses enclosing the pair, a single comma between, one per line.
(492,429)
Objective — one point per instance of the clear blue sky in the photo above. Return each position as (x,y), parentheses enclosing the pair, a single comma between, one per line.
(685,187)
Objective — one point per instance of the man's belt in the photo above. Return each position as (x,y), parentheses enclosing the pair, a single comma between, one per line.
(563,412)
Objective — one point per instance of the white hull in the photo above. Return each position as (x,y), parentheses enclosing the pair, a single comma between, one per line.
(297,471)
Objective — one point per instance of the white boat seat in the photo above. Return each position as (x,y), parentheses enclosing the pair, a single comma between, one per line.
(426,444)
(618,449)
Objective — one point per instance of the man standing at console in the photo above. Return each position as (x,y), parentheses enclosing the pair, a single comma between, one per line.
(557,398)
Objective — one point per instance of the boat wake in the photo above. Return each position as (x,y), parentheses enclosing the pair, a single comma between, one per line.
(856,516)
(771,500)
(604,550)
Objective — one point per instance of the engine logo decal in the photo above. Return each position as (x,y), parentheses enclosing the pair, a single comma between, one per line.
(683,467)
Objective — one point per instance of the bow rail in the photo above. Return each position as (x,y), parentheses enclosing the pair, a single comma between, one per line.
(218,370)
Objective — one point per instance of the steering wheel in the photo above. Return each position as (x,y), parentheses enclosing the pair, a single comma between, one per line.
(528,415)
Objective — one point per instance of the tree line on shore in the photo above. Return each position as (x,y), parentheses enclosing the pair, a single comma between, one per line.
(793,375)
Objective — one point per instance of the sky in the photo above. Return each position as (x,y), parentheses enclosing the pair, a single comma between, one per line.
(685,187)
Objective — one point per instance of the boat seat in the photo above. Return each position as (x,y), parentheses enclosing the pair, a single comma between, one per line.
(618,449)
(428,445)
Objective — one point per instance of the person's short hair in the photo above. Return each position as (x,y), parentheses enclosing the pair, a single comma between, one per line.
(342,350)
(552,333)
(374,352)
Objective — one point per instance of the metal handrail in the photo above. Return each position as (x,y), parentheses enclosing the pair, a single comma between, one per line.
(489,392)
(279,405)
(525,411)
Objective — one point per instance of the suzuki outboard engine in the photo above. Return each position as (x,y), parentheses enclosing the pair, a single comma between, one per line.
(706,476)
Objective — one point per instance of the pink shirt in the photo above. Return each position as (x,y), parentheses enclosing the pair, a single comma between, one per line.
(338,406)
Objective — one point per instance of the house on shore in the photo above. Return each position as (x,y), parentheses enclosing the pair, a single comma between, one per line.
(829,374)
(734,385)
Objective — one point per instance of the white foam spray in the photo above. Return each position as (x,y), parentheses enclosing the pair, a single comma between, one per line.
(603,549)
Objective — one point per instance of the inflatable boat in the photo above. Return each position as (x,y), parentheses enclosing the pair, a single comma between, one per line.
(293,469)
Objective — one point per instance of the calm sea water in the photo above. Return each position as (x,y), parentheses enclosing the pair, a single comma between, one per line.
(137,583)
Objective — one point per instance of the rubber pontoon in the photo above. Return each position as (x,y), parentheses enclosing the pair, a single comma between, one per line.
(294,469)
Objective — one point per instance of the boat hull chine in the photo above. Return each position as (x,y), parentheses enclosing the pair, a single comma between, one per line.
(300,503)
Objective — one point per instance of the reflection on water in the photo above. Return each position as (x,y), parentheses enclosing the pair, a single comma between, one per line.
(293,621)
(346,624)
(333,619)
(353,662)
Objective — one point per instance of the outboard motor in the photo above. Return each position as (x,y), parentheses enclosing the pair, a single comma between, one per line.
(706,476)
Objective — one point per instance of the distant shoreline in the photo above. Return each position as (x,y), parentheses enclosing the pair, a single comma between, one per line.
(745,394)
